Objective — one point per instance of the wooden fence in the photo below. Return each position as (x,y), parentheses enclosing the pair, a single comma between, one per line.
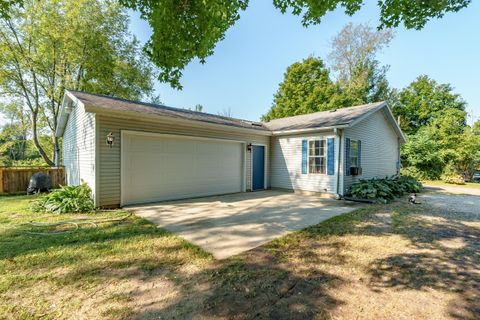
(16,179)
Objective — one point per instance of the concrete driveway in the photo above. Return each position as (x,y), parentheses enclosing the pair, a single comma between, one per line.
(230,224)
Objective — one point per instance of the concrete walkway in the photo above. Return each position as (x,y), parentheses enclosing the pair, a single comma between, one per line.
(228,225)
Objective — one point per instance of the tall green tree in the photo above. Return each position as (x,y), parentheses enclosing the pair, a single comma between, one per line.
(422,155)
(476,128)
(467,154)
(353,60)
(306,88)
(52,45)
(184,30)
(425,101)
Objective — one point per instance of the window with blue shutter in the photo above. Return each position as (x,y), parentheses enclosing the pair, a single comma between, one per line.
(330,156)
(304,156)
(347,156)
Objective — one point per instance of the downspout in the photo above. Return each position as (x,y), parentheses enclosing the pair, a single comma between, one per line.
(339,134)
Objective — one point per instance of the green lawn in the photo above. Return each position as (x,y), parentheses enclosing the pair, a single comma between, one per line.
(440,183)
(382,262)
(50,277)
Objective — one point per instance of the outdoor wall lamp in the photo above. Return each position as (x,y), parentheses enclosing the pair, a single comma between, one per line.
(110,139)
(249,147)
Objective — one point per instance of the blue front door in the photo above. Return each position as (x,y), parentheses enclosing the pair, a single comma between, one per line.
(258,165)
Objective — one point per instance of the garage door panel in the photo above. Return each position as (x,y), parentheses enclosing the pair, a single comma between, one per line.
(157,168)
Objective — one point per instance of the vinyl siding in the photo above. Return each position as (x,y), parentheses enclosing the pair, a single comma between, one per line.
(109,158)
(78,151)
(286,165)
(380,148)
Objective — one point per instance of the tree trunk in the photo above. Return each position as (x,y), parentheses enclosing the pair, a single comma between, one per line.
(56,151)
(36,143)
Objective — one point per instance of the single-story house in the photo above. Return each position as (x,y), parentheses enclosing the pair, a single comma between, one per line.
(133,152)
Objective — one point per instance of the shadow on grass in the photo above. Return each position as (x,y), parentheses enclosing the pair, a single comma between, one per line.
(445,257)
(264,283)
(257,286)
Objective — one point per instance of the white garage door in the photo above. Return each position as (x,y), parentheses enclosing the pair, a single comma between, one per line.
(157,168)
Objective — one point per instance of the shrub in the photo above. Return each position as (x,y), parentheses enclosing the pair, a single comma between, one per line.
(67,199)
(450,175)
(383,190)
(413,172)
(374,189)
(453,179)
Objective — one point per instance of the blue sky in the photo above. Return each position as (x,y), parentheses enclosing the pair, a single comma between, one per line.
(246,68)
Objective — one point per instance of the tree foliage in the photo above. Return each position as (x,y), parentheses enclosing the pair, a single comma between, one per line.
(423,153)
(306,88)
(353,60)
(425,101)
(184,30)
(52,45)
(476,128)
(440,145)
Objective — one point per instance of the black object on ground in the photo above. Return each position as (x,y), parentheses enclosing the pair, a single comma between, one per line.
(39,182)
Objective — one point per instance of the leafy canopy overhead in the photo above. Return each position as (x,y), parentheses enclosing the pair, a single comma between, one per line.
(184,30)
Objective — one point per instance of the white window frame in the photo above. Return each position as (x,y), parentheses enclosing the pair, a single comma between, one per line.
(356,157)
(324,156)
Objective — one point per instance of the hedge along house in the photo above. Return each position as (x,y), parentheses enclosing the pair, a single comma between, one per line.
(132,152)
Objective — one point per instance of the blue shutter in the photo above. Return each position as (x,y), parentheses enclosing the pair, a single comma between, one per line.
(359,153)
(304,156)
(330,156)
(347,156)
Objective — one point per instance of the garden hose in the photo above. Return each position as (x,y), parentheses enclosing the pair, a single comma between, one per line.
(75,223)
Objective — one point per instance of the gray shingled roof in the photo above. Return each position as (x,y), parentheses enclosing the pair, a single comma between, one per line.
(332,118)
(111,103)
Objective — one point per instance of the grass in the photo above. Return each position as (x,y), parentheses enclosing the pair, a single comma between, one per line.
(51,277)
(471,185)
(381,261)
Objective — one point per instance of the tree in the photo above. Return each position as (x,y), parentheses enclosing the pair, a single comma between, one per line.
(425,101)
(52,45)
(185,30)
(13,135)
(353,60)
(476,128)
(422,152)
(198,107)
(306,88)
(467,155)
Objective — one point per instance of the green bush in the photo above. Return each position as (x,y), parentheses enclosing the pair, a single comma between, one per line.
(67,199)
(383,190)
(450,175)
(413,172)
